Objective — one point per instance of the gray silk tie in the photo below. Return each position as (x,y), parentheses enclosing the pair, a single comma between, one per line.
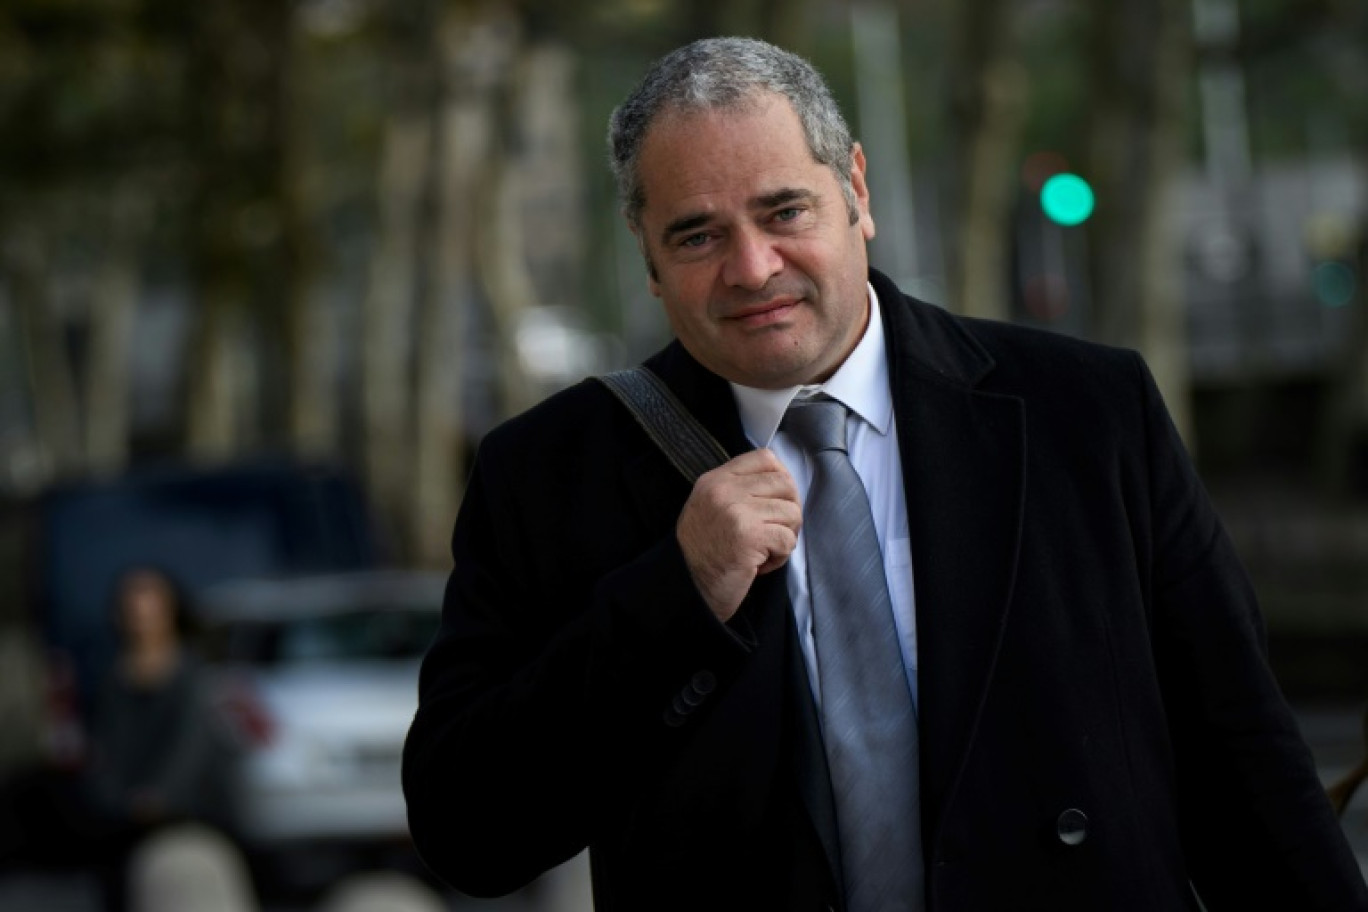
(869,725)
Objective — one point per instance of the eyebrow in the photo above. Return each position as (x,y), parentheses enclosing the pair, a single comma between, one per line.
(686,223)
(782,196)
(683,224)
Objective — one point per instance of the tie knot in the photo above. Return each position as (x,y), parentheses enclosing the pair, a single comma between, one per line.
(816,424)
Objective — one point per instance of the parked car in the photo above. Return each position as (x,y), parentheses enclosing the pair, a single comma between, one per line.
(201,525)
(63,549)
(318,675)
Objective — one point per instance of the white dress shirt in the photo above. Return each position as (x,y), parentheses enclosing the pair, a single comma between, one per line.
(861,384)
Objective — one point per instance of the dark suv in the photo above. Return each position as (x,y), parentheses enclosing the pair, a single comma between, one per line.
(201,525)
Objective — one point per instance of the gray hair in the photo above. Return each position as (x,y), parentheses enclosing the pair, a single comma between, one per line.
(727,73)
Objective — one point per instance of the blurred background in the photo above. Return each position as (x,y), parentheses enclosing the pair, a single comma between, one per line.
(270,268)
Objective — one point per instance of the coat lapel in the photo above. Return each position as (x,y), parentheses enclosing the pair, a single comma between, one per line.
(963,456)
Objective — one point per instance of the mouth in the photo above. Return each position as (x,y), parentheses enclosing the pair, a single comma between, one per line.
(765,314)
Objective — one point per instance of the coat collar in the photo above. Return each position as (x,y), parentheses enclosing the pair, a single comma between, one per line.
(927,341)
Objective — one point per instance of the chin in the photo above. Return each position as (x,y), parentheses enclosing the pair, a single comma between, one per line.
(774,379)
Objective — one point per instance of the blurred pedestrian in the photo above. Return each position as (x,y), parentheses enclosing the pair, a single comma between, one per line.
(953,627)
(156,754)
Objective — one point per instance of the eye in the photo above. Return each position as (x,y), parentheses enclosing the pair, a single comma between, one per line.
(788,214)
(694,240)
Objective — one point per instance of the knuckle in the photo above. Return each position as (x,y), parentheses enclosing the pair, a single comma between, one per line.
(706,482)
(736,514)
(709,493)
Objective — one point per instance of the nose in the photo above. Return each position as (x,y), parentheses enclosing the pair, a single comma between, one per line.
(752,260)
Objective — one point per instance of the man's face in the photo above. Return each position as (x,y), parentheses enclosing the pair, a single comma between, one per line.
(760,270)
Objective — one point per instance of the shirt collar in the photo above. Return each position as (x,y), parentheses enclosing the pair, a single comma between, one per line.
(860,383)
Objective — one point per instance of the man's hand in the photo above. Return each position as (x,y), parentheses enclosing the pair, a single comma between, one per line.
(741,520)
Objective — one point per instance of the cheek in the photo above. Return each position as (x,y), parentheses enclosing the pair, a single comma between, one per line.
(685,299)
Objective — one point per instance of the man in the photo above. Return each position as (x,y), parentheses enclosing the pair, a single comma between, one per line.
(648,669)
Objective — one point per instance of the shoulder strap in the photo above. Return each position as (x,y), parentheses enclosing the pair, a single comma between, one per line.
(680,436)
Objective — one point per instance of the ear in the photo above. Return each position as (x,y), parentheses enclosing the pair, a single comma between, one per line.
(639,234)
(857,183)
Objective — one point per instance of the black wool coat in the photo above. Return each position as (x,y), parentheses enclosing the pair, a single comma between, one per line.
(1099,727)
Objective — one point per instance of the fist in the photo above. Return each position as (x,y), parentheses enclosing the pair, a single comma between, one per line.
(741,520)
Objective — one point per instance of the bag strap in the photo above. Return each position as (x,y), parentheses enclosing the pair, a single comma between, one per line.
(680,436)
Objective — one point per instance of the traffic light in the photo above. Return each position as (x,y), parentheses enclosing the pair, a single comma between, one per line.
(1333,283)
(1066,199)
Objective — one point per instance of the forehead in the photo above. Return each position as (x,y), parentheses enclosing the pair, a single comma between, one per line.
(753,148)
(144,579)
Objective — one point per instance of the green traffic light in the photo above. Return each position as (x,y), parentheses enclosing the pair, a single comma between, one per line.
(1333,283)
(1067,199)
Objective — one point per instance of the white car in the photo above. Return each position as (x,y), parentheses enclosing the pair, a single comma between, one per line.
(318,676)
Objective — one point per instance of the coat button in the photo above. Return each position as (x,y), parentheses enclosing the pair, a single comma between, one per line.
(1072,827)
(704,683)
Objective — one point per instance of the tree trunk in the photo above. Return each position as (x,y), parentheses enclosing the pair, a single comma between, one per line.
(113,312)
(470,48)
(217,381)
(312,407)
(226,137)
(1163,315)
(387,313)
(504,276)
(535,173)
(1140,66)
(52,382)
(989,114)
(877,40)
